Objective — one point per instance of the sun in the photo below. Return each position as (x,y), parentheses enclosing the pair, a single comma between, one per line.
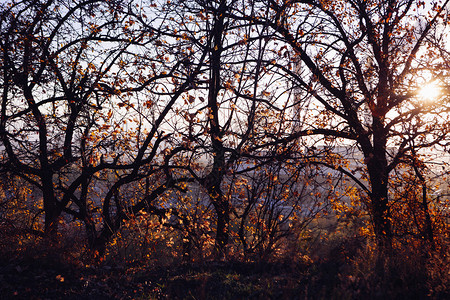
(429,92)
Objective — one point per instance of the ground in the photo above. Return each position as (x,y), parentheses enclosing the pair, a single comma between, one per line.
(207,280)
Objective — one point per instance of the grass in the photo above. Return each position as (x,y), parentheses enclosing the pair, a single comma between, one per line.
(331,278)
(332,265)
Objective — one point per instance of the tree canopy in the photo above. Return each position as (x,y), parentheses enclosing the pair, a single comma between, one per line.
(231,123)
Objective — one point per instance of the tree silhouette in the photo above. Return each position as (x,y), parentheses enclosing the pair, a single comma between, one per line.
(363,63)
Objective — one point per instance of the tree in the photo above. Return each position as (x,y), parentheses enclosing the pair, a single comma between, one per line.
(209,128)
(51,93)
(115,109)
(363,63)
(231,113)
(75,75)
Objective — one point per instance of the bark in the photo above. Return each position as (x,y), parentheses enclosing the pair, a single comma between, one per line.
(223,219)
(428,230)
(377,166)
(50,205)
(214,179)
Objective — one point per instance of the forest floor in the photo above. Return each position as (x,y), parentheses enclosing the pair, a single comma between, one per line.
(338,269)
(52,278)
(209,280)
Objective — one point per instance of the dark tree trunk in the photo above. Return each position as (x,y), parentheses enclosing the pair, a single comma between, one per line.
(429,235)
(222,209)
(377,166)
(381,219)
(214,179)
(427,231)
(51,208)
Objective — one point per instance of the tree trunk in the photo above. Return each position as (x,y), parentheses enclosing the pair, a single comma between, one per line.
(429,235)
(223,220)
(214,179)
(381,219)
(377,167)
(50,206)
(428,230)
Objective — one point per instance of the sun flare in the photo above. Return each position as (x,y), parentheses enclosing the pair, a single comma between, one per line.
(429,92)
